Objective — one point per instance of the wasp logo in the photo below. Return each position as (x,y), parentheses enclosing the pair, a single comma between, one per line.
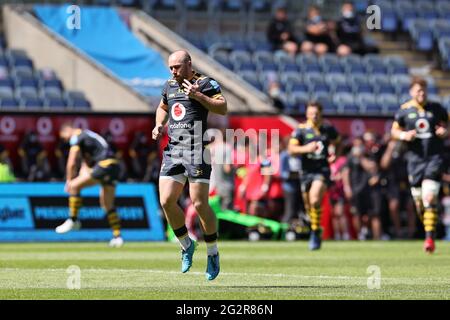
(198,172)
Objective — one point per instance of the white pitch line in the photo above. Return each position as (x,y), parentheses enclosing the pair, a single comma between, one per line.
(279,275)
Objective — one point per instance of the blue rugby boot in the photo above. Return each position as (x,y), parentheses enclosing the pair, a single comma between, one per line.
(315,240)
(186,256)
(213,267)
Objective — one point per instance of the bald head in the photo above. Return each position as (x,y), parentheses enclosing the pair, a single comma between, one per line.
(180,65)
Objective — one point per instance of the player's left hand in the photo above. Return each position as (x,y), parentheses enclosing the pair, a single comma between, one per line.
(441,131)
(191,90)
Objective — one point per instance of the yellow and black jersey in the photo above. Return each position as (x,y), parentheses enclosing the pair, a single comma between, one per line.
(324,134)
(186,113)
(423,119)
(92,146)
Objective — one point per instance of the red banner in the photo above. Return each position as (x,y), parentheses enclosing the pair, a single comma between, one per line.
(122,127)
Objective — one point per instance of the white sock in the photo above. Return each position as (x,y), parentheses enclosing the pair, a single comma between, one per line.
(185,242)
(212,248)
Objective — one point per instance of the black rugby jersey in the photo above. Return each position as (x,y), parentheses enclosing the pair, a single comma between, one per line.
(423,119)
(324,135)
(92,146)
(188,117)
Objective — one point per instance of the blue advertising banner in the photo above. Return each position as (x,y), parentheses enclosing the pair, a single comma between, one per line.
(31,211)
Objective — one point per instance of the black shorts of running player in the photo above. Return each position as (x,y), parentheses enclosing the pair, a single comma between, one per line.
(180,171)
(106,171)
(367,202)
(307,179)
(420,169)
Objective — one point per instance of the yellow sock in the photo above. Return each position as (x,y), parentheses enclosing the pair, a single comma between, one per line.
(114,222)
(314,215)
(75,203)
(430,218)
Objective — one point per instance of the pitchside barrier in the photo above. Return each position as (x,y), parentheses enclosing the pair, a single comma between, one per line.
(31,211)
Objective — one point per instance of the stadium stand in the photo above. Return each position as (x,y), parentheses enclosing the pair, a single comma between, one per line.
(24,87)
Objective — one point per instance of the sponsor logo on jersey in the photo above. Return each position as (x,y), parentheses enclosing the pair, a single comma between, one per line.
(178,112)
(423,129)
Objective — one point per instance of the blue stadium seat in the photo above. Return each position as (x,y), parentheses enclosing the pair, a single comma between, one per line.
(401,83)
(32,103)
(441,28)
(406,11)
(296,103)
(443,9)
(345,103)
(194,4)
(389,22)
(54,103)
(288,67)
(388,102)
(326,101)
(367,103)
(8,103)
(360,84)
(308,63)
(76,100)
(426,10)
(262,57)
(338,83)
(233,5)
(252,78)
(6,92)
(260,5)
(6,82)
(382,84)
(422,34)
(26,82)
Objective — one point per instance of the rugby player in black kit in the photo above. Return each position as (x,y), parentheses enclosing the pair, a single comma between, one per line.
(423,126)
(98,167)
(186,100)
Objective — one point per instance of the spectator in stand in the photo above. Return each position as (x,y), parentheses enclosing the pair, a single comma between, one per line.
(349,33)
(280,32)
(33,158)
(337,196)
(144,159)
(319,33)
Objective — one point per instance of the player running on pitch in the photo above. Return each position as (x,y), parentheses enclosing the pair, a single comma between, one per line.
(310,141)
(98,167)
(186,100)
(423,125)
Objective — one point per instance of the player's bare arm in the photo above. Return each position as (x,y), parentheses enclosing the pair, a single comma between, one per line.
(71,165)
(295,150)
(398,133)
(217,105)
(442,130)
(162,115)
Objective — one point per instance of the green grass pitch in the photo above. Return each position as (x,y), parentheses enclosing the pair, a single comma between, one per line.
(261,270)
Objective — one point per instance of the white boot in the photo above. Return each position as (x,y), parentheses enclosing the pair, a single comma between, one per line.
(68,225)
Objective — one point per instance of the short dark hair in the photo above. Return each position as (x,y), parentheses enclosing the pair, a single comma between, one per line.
(418,80)
(315,104)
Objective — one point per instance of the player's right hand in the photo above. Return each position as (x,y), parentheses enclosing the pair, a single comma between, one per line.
(157,132)
(409,135)
(311,147)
